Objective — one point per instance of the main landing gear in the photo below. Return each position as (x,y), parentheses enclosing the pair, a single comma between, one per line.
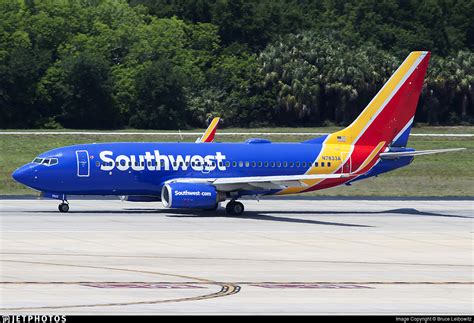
(234,208)
(63,207)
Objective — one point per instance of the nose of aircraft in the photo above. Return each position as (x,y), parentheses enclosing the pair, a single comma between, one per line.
(23,175)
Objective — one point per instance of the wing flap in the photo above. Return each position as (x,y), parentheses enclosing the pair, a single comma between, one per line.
(274,179)
(228,184)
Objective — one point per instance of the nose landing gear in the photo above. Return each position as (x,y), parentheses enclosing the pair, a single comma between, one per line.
(234,208)
(63,207)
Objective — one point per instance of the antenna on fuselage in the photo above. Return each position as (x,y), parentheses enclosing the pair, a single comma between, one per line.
(180,135)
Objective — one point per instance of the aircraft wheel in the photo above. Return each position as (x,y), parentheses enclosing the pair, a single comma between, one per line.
(63,207)
(234,208)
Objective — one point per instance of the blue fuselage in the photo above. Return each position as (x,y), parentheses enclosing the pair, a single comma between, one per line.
(142,168)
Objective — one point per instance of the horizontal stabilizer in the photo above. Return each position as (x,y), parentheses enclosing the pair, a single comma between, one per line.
(396,154)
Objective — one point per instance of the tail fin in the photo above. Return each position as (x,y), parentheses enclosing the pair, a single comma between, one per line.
(210,132)
(388,117)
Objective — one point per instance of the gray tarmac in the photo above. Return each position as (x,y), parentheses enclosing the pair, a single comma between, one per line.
(292,256)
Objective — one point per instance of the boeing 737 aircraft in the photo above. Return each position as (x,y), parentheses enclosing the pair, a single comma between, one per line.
(200,175)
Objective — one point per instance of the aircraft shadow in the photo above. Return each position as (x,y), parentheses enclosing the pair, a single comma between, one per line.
(264,216)
(251,215)
(403,211)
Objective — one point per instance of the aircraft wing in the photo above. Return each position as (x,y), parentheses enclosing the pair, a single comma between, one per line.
(228,184)
(394,155)
(210,132)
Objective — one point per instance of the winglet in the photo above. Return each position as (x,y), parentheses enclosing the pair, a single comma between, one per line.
(210,132)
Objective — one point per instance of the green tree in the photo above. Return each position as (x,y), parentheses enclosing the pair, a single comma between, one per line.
(80,91)
(449,93)
(318,78)
(160,100)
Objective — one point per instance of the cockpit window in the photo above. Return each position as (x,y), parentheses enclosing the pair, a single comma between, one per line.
(46,161)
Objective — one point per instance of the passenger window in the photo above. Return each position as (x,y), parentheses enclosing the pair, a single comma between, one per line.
(285,164)
(254,164)
(297,164)
(278,164)
(260,164)
(227,164)
(97,163)
(303,164)
(329,164)
(315,164)
(322,164)
(234,164)
(241,164)
(292,164)
(266,164)
(272,164)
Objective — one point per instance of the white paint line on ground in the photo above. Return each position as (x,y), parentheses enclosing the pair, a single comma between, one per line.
(200,133)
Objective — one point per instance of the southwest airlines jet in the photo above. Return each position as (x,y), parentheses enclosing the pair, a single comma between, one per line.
(200,175)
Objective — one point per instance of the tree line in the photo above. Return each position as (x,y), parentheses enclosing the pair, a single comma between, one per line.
(167,64)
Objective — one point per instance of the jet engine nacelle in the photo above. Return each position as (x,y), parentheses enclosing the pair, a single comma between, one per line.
(190,196)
